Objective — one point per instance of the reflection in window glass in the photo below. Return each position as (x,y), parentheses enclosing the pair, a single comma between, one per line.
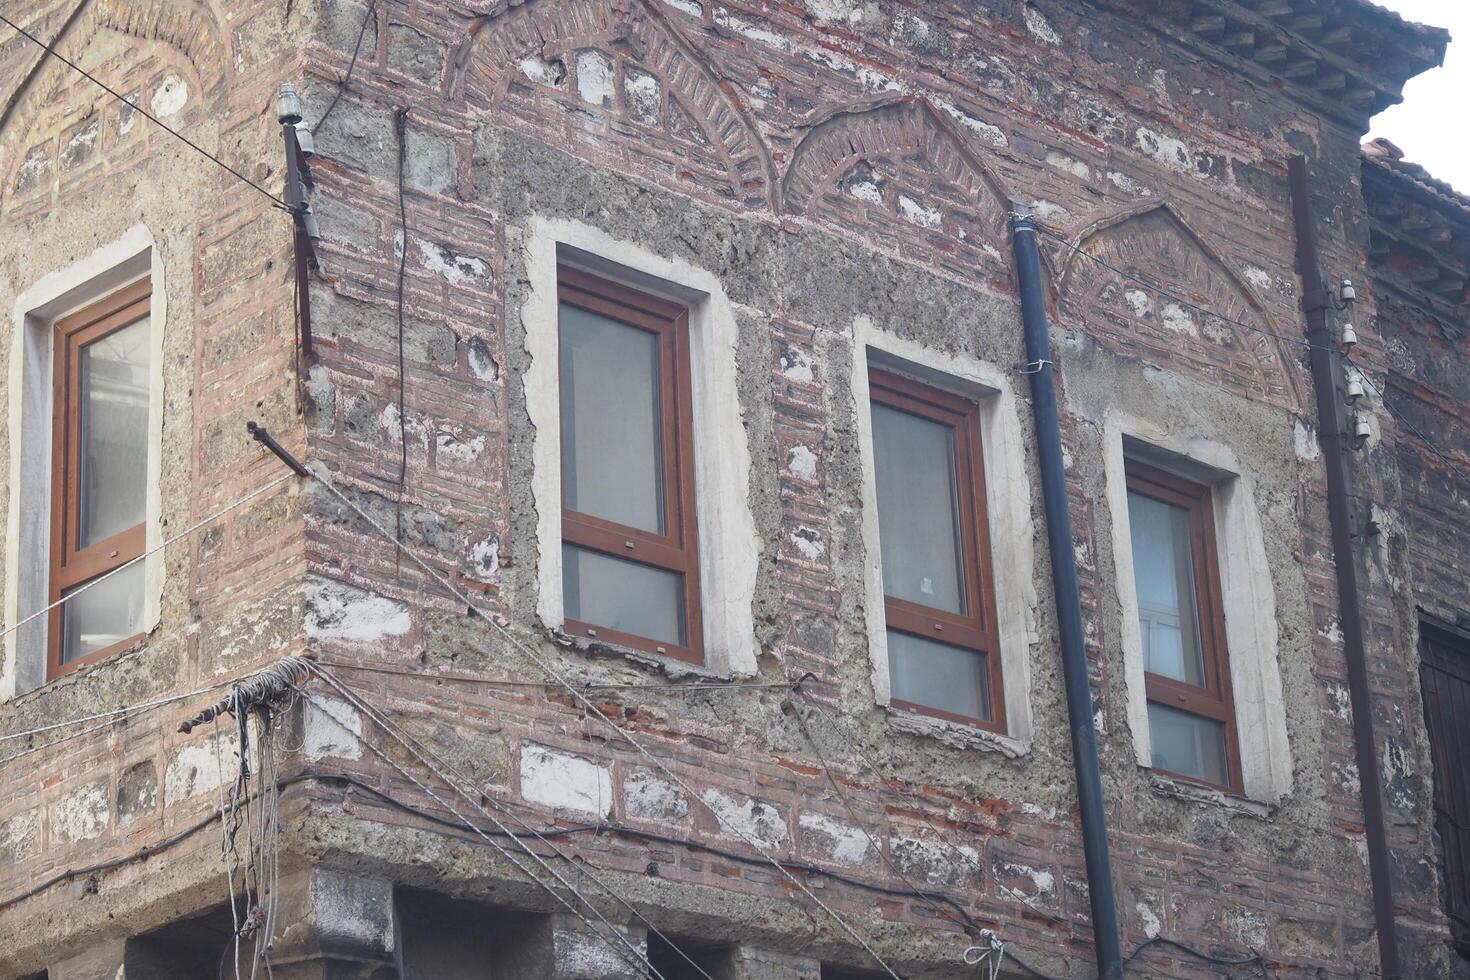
(938,675)
(109,612)
(612,459)
(1163,575)
(623,595)
(114,433)
(918,510)
(1187,744)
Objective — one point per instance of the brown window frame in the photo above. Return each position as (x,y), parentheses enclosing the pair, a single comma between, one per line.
(678,549)
(72,566)
(977,631)
(1214,701)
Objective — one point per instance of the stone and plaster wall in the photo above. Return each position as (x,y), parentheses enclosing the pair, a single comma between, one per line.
(837,175)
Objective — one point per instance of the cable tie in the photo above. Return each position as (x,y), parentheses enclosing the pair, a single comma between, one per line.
(1034,367)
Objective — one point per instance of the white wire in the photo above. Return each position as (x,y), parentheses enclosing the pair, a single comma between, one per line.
(639,961)
(589,705)
(154,550)
(383,722)
(126,710)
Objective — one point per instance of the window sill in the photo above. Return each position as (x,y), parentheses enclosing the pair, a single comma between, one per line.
(670,667)
(954,733)
(1183,789)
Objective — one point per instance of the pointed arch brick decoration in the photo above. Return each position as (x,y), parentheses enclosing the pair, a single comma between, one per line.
(896,170)
(599,75)
(61,125)
(1155,243)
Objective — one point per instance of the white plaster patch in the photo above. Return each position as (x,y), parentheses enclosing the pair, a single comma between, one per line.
(809,542)
(446,446)
(1259,278)
(563,781)
(1050,211)
(920,214)
(1044,881)
(1178,319)
(691,7)
(543,72)
(196,769)
(795,365)
(1247,925)
(990,134)
(1127,184)
(1332,632)
(340,612)
(413,425)
(1304,441)
(650,798)
(751,30)
(802,463)
(595,77)
(1150,921)
(1339,701)
(844,11)
(1039,26)
(850,845)
(752,819)
(170,97)
(640,90)
(484,559)
(1071,165)
(81,815)
(935,861)
(866,189)
(1138,302)
(331,729)
(20,834)
(458,269)
(1165,149)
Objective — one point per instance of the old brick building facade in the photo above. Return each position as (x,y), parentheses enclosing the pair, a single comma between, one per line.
(808,197)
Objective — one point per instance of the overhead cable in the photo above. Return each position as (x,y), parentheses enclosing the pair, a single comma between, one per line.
(209,519)
(594,709)
(459,783)
(139,109)
(346,79)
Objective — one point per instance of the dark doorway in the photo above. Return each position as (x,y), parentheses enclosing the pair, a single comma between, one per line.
(1444,671)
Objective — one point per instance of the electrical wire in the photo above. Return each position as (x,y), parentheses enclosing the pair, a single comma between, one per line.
(593,708)
(151,551)
(276,201)
(672,688)
(346,80)
(382,722)
(400,123)
(125,710)
(505,853)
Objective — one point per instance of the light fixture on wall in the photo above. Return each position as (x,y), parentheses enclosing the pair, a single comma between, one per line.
(1360,429)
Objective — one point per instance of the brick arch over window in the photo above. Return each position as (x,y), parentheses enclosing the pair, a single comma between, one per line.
(897,170)
(166,54)
(619,81)
(1156,244)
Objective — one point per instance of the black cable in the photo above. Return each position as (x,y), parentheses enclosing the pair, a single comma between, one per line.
(400,123)
(137,108)
(346,80)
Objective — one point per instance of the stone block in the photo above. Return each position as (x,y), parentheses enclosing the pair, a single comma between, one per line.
(561,947)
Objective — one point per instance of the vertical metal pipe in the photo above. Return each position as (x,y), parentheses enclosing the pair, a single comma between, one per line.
(301,244)
(1069,604)
(1331,421)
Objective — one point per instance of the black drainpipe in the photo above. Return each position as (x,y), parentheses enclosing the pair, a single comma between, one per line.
(1331,423)
(1069,604)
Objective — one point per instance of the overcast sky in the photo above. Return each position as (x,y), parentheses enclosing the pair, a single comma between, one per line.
(1430,125)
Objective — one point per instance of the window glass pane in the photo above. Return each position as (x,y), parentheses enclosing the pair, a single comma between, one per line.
(623,595)
(114,432)
(612,459)
(918,510)
(1187,744)
(107,613)
(938,675)
(1163,575)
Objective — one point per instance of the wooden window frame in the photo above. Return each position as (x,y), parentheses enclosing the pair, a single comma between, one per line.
(677,550)
(976,631)
(72,566)
(1215,700)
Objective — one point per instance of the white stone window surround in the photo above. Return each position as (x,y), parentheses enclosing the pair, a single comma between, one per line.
(28,519)
(1008,501)
(1246,591)
(729,546)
